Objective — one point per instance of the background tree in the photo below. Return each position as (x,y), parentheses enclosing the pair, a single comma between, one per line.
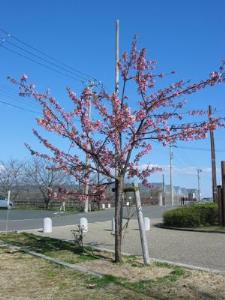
(37,174)
(122,128)
(11,177)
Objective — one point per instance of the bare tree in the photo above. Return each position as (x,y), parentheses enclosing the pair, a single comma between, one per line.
(11,177)
(39,175)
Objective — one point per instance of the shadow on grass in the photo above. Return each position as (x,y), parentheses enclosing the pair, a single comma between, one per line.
(48,246)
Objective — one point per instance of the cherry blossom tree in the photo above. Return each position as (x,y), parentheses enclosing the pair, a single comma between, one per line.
(122,127)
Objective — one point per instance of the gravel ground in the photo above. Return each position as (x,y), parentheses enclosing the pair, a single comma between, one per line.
(195,248)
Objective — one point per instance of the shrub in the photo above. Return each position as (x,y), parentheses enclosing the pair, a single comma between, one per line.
(192,216)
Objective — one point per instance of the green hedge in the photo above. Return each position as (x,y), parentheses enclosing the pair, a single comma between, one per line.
(192,216)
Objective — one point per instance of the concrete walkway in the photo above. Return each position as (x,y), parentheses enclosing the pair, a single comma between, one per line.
(195,248)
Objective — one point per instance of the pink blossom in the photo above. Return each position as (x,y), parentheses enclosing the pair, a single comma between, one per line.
(24,77)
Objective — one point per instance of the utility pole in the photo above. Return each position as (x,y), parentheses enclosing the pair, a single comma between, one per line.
(198,177)
(171,176)
(117,56)
(213,160)
(87,161)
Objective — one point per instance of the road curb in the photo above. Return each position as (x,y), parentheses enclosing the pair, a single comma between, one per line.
(187,229)
(84,270)
(54,260)
(188,266)
(191,267)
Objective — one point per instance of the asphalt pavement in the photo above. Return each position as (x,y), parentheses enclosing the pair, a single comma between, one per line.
(33,219)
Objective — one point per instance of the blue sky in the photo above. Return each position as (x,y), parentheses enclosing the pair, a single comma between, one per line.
(186,36)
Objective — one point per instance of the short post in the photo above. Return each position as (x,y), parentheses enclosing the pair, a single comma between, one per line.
(103,205)
(141,223)
(47,225)
(63,206)
(109,205)
(160,199)
(84,224)
(7,212)
(147,224)
(8,199)
(113,226)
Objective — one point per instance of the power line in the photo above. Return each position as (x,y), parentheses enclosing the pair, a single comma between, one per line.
(51,57)
(9,35)
(39,63)
(188,148)
(9,96)
(197,148)
(44,57)
(45,60)
(26,109)
(18,107)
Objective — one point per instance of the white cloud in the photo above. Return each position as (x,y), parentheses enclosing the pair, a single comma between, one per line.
(189,170)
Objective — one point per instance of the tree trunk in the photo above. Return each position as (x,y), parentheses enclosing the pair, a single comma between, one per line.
(47,203)
(118,218)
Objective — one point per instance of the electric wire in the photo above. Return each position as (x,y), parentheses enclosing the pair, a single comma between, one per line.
(46,61)
(9,35)
(50,60)
(18,107)
(39,63)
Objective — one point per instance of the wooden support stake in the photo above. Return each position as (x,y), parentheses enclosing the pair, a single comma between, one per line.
(144,242)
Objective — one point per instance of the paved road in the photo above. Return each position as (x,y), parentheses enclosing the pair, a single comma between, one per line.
(33,219)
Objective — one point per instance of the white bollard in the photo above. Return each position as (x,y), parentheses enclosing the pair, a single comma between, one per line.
(84,224)
(103,205)
(128,203)
(147,224)
(113,226)
(160,199)
(47,225)
(109,205)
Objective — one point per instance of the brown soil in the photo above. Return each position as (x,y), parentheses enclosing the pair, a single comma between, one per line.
(126,271)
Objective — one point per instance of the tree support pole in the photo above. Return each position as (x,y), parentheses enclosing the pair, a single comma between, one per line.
(144,242)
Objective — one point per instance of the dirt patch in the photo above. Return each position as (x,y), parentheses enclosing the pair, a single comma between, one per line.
(204,285)
(194,285)
(126,271)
